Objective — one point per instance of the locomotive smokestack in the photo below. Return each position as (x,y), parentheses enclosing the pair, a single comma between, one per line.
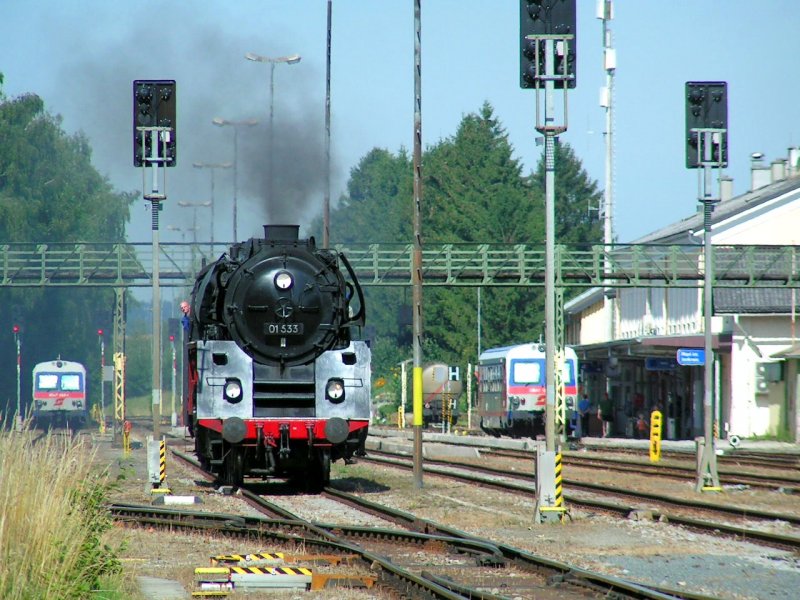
(287,233)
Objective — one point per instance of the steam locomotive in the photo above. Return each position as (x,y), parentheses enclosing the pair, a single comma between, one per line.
(278,386)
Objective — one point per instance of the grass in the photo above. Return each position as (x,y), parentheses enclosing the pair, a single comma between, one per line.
(53,521)
(138,406)
(782,436)
(142,406)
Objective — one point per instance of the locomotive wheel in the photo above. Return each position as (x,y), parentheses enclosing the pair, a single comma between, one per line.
(233,467)
(319,472)
(201,450)
(324,459)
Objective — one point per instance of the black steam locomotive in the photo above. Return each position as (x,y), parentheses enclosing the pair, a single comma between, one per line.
(278,386)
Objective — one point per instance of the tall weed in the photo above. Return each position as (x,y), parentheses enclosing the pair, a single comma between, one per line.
(52,519)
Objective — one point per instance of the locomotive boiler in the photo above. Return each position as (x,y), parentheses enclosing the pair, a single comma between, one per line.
(278,383)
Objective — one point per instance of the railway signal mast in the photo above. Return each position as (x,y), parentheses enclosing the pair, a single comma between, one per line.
(154,146)
(18,343)
(547,63)
(707,149)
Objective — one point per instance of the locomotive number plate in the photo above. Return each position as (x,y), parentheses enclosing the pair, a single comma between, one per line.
(283,328)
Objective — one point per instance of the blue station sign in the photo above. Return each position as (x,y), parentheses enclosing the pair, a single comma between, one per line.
(692,357)
(659,364)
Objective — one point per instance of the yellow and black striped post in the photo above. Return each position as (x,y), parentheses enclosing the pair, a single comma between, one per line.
(549,486)
(655,436)
(157,464)
(162,461)
(559,503)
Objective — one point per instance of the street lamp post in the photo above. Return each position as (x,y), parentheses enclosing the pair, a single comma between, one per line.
(213,168)
(287,60)
(173,416)
(194,206)
(183,231)
(219,122)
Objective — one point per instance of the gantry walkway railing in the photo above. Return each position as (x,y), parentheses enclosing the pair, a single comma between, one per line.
(130,265)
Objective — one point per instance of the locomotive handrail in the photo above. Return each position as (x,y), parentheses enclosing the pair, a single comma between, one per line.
(444,264)
(360,317)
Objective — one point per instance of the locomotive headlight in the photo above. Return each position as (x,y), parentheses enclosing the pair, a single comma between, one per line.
(334,390)
(284,280)
(232,391)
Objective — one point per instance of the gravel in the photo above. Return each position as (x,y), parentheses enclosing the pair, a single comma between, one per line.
(643,551)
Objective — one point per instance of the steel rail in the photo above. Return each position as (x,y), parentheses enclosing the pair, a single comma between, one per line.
(779,540)
(425,532)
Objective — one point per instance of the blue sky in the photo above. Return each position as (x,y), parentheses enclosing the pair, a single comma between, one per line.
(81,57)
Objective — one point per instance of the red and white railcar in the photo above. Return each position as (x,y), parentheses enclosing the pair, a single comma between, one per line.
(59,394)
(512,388)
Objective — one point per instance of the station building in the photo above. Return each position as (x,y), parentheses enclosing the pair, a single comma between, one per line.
(628,339)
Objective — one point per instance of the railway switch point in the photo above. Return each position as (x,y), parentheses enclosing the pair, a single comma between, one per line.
(320,581)
(256,577)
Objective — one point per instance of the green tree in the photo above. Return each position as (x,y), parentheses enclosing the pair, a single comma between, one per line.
(377,208)
(474,190)
(575,192)
(50,193)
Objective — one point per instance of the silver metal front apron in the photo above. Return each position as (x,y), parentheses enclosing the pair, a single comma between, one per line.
(219,361)
(352,365)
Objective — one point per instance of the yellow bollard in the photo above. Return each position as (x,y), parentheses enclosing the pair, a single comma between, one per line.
(655,436)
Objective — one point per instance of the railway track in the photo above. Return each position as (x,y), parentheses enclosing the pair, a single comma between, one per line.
(685,472)
(420,558)
(596,497)
(732,461)
(776,470)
